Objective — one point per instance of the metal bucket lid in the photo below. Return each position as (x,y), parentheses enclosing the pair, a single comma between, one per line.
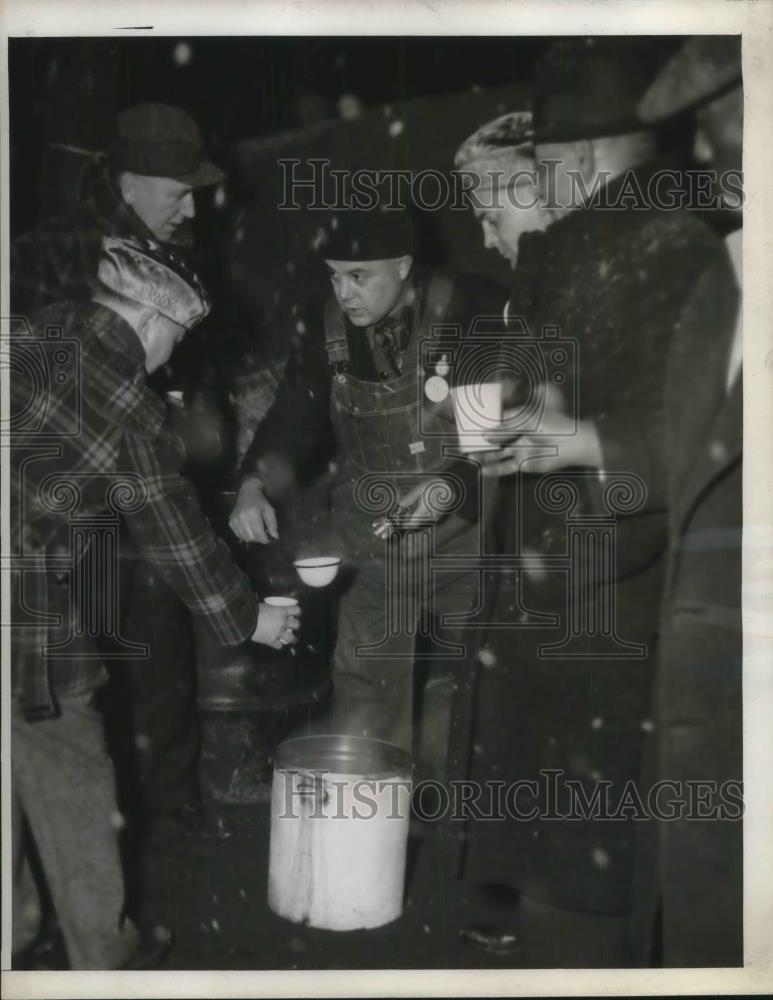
(355,755)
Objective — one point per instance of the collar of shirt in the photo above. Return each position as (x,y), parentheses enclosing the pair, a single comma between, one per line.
(389,337)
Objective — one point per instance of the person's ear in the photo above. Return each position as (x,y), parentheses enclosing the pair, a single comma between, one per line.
(126,187)
(404,265)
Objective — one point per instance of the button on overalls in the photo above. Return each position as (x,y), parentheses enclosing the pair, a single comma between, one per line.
(390,439)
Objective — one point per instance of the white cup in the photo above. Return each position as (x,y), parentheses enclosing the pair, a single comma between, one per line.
(318,571)
(280,602)
(477,411)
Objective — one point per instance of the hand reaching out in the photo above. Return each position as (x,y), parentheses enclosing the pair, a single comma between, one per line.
(560,441)
(253,519)
(277,625)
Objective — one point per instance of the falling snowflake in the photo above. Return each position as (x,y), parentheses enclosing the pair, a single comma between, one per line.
(117,821)
(215,925)
(537,570)
(300,326)
(647,726)
(182,54)
(597,723)
(396,128)
(297,945)
(142,742)
(600,858)
(426,929)
(487,658)
(161,933)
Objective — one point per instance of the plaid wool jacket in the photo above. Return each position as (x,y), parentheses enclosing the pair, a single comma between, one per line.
(91,449)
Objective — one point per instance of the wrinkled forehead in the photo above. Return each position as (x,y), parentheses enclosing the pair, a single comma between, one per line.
(341,268)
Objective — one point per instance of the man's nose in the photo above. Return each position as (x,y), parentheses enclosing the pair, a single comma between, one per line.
(188,206)
(344,290)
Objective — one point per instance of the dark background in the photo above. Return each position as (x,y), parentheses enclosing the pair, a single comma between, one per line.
(68,91)
(258,100)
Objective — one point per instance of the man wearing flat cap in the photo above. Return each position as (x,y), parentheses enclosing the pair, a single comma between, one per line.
(615,275)
(142,188)
(359,386)
(691,872)
(87,446)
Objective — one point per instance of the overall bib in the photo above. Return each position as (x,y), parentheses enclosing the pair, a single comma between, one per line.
(390,439)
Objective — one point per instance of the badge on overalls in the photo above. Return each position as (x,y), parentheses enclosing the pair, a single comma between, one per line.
(436,387)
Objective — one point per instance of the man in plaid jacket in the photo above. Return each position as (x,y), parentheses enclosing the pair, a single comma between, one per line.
(88,444)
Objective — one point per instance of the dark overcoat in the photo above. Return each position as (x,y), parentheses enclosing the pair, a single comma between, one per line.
(612,284)
(691,866)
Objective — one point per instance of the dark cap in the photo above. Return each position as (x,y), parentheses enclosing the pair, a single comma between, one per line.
(360,235)
(704,68)
(587,88)
(159,140)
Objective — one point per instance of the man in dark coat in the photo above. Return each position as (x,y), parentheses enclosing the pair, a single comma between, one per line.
(695,870)
(144,188)
(565,680)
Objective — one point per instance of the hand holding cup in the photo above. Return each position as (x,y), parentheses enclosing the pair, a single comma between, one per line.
(279,618)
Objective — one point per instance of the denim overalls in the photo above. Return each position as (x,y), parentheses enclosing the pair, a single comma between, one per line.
(390,438)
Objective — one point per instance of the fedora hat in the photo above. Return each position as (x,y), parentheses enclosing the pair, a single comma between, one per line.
(587,88)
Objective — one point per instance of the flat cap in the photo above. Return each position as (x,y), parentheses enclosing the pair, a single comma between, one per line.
(161,140)
(153,276)
(705,68)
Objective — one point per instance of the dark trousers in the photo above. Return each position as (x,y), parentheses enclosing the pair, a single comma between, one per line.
(154,698)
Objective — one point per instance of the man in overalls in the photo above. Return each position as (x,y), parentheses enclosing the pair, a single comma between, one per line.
(378,374)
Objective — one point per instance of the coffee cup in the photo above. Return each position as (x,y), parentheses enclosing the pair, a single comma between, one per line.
(477,412)
(318,571)
(281,602)
(277,601)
